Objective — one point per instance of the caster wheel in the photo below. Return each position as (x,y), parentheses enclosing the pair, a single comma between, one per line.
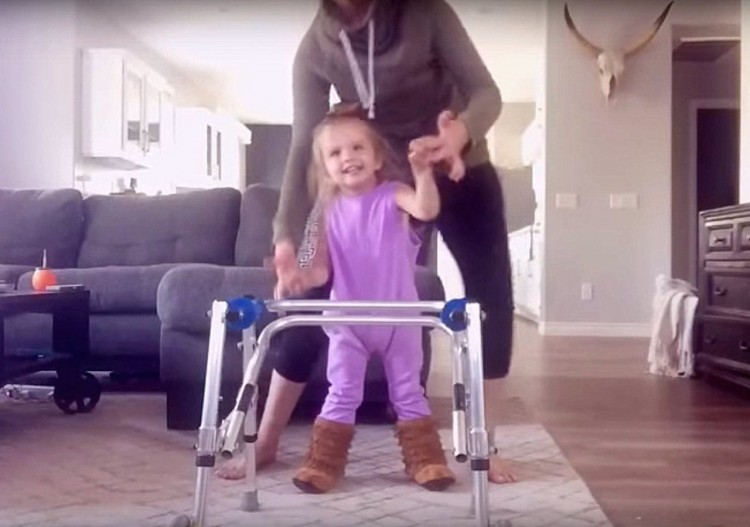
(181,521)
(79,394)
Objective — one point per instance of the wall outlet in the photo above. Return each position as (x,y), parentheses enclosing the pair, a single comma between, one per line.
(627,200)
(587,291)
(566,200)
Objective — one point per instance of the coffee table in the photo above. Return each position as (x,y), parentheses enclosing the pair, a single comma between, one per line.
(75,391)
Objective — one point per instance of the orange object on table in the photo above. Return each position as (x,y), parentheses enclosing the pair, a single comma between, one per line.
(43,276)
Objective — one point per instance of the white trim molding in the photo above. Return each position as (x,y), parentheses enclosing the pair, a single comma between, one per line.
(593,329)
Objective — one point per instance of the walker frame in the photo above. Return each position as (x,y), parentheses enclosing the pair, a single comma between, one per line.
(458,318)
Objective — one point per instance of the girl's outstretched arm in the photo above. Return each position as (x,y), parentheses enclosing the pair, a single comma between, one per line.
(423,201)
(294,280)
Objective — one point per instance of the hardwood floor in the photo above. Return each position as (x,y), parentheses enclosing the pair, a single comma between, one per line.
(654,451)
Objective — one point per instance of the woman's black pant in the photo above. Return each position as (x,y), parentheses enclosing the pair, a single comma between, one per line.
(472,224)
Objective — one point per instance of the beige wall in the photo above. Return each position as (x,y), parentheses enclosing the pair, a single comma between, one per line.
(593,149)
(507,131)
(505,147)
(36,93)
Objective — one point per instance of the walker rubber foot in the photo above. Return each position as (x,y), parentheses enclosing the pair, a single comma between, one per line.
(182,521)
(250,501)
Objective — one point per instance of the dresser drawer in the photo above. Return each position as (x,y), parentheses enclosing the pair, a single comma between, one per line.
(722,324)
(726,340)
(728,291)
(743,236)
(719,238)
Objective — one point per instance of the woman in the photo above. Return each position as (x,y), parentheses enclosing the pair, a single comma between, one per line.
(413,67)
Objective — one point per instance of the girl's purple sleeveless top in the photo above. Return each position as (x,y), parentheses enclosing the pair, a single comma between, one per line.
(372,247)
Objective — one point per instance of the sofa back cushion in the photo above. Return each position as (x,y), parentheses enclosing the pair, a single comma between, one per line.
(197,226)
(255,234)
(34,220)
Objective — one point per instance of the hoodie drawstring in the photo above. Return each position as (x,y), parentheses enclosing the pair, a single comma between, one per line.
(366,95)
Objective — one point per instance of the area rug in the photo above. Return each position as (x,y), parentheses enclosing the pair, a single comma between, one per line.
(120,466)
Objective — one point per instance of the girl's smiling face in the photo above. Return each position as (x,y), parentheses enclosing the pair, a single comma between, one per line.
(349,157)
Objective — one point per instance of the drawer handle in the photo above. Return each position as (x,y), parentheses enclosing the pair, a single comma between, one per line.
(720,291)
(709,339)
(744,346)
(720,240)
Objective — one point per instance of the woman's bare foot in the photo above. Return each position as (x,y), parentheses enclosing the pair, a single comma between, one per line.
(234,469)
(501,471)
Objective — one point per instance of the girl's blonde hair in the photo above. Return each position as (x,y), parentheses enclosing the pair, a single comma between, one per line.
(320,185)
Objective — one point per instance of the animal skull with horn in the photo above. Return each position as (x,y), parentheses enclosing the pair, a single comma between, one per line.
(611,62)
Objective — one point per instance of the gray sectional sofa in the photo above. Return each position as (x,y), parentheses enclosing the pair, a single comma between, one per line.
(154,264)
(119,247)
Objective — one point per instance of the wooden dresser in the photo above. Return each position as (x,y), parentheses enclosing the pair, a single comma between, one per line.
(722,325)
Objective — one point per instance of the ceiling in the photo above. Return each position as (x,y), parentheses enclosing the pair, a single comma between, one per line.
(243,49)
(703,50)
(704,42)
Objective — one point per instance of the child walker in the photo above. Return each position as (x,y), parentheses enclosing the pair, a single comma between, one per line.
(458,318)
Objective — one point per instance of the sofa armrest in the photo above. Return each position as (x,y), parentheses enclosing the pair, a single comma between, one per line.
(186,292)
(10,273)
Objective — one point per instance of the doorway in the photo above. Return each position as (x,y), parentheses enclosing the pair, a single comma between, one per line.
(714,164)
(266,156)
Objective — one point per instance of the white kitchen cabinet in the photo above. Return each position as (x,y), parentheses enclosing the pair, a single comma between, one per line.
(209,149)
(127,113)
(524,246)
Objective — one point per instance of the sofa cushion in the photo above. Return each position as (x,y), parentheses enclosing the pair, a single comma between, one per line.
(255,234)
(34,220)
(114,289)
(186,292)
(197,226)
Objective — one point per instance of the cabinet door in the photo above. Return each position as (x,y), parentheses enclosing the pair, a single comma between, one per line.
(166,124)
(124,108)
(213,152)
(133,110)
(209,149)
(152,119)
(216,171)
(158,132)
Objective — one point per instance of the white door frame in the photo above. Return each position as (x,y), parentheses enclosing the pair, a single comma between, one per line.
(692,219)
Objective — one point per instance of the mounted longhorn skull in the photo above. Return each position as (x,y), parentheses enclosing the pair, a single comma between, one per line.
(611,62)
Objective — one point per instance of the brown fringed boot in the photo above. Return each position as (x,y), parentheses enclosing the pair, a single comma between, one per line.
(424,458)
(326,459)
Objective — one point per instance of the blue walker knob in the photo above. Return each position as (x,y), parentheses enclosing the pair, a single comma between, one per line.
(454,314)
(243,312)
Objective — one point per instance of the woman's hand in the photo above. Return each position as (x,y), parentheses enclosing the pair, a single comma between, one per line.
(445,147)
(291,280)
(287,271)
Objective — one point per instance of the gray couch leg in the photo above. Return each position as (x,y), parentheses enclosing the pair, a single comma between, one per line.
(185,402)
(184,405)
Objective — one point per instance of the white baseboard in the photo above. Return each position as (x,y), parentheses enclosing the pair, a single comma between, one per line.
(593,329)
(526,313)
